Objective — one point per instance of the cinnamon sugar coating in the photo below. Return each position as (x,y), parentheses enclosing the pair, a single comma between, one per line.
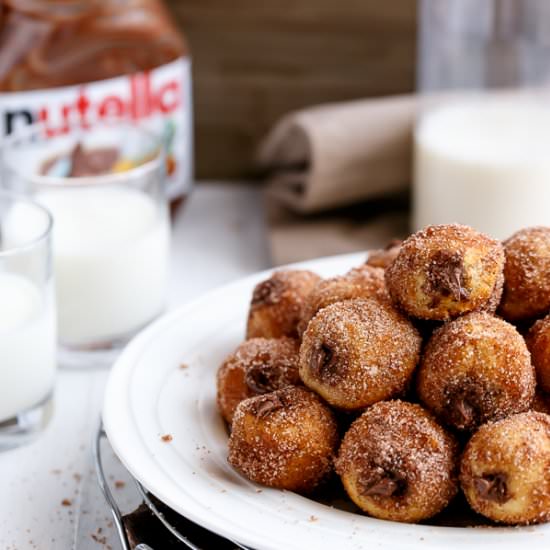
(277,303)
(538,341)
(361,282)
(475,369)
(286,439)
(527,275)
(359,348)
(397,463)
(505,469)
(358,352)
(445,271)
(258,366)
(385,256)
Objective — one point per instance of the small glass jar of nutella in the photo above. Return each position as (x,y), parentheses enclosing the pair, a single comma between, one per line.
(83,61)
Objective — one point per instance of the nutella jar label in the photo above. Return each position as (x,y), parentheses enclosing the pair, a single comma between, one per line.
(160,99)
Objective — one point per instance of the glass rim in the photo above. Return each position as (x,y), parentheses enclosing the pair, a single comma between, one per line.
(56,182)
(12,197)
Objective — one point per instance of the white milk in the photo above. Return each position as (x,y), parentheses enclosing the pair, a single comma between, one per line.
(27,346)
(483,164)
(111,251)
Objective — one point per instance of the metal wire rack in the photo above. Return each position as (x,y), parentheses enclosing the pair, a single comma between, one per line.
(186,540)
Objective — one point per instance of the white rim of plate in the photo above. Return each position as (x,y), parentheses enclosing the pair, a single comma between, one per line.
(425,536)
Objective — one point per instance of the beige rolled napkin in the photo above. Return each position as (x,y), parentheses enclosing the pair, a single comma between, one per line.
(335,159)
(293,238)
(338,154)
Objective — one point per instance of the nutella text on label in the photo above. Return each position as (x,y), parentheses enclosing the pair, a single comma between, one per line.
(160,98)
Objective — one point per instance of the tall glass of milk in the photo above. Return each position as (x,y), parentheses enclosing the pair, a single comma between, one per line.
(482,140)
(104,185)
(27,320)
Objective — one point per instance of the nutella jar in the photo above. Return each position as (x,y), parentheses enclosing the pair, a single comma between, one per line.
(78,61)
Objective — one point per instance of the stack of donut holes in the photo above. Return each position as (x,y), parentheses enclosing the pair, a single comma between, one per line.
(416,377)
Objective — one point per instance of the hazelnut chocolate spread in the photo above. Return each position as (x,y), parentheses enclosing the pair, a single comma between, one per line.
(464,413)
(492,487)
(386,484)
(87,162)
(268,404)
(51,43)
(322,361)
(67,62)
(446,275)
(262,378)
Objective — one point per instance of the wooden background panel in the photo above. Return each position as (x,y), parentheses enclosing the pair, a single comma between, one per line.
(255,60)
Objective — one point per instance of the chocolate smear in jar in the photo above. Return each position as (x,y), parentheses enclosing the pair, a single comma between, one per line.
(93,162)
(85,162)
(492,487)
(46,44)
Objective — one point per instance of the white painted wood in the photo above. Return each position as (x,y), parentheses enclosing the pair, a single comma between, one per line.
(218,236)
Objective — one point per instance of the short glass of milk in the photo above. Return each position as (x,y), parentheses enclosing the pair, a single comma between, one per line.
(27,320)
(482,141)
(105,187)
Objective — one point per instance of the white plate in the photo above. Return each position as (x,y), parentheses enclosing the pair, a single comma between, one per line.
(149,395)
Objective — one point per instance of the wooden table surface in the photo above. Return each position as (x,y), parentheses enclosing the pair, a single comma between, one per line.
(255,61)
(49,498)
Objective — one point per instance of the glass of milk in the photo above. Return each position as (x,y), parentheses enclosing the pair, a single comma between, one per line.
(27,320)
(104,185)
(482,140)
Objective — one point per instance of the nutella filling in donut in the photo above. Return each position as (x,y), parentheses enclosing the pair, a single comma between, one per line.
(384,484)
(323,361)
(463,411)
(446,276)
(268,404)
(492,487)
(262,378)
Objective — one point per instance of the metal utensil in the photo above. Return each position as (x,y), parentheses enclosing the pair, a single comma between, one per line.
(119,521)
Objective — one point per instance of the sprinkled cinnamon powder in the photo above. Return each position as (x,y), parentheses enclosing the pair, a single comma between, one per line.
(357,352)
(538,342)
(361,282)
(384,257)
(480,363)
(505,470)
(258,366)
(399,441)
(291,447)
(527,274)
(424,286)
(277,303)
(405,462)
